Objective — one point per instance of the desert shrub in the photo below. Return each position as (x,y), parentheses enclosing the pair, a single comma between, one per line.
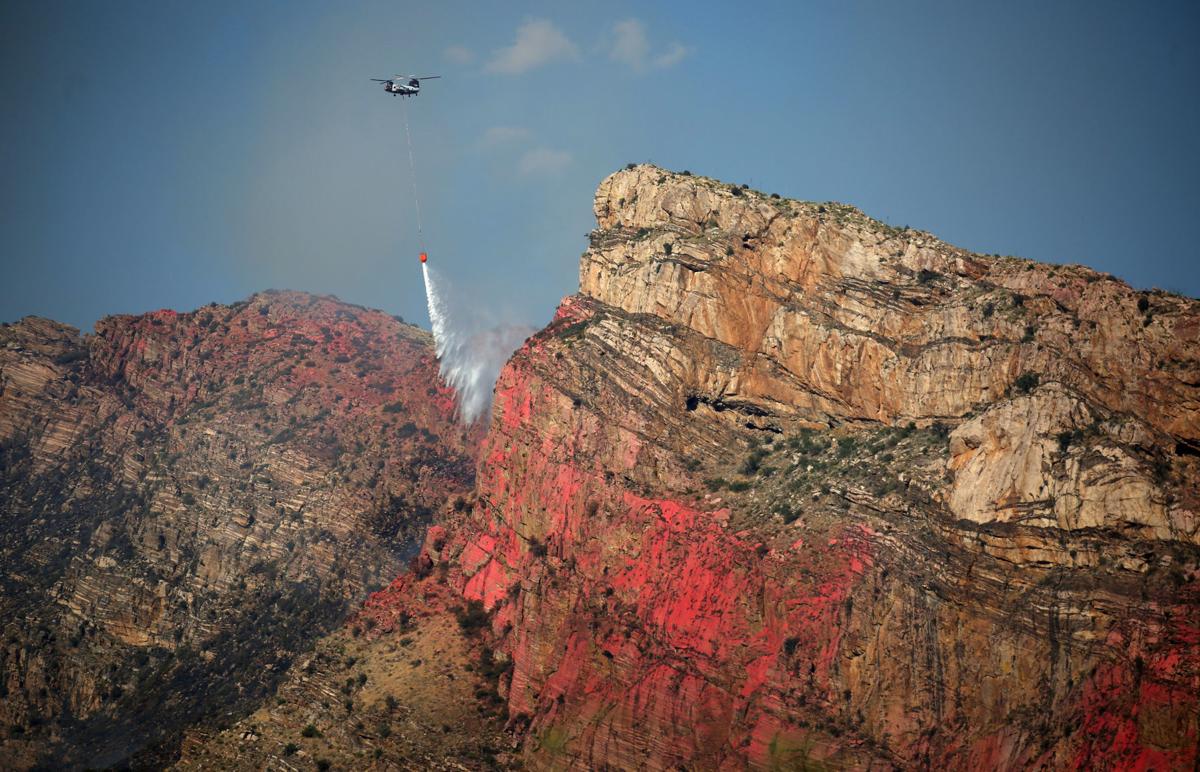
(1143,304)
(753,462)
(310,731)
(1027,382)
(1067,437)
(472,619)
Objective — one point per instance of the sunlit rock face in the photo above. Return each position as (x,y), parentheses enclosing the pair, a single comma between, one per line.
(190,499)
(785,485)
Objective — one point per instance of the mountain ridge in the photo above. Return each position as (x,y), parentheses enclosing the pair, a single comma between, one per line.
(786,487)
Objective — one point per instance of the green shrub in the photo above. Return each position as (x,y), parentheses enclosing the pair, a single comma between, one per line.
(1067,437)
(290,749)
(1027,382)
(472,619)
(310,731)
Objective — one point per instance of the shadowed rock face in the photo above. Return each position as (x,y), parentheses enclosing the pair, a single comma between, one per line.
(189,500)
(784,485)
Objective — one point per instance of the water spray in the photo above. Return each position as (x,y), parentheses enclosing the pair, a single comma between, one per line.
(470,351)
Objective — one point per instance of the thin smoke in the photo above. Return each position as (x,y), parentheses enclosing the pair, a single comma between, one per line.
(470,351)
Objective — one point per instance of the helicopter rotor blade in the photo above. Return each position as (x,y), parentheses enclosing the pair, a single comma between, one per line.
(427,77)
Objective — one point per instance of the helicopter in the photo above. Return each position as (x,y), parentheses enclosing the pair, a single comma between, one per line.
(396,86)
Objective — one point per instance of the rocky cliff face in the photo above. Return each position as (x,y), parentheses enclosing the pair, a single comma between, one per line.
(190,500)
(784,485)
(785,488)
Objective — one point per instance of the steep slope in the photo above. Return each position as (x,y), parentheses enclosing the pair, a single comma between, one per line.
(190,500)
(784,486)
(409,683)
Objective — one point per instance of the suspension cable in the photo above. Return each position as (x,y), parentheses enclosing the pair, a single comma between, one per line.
(412,170)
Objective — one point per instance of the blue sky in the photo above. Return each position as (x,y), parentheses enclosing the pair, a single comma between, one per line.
(171,154)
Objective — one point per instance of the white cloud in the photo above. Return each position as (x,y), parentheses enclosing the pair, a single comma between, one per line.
(502,135)
(544,161)
(629,43)
(631,47)
(538,42)
(674,54)
(459,55)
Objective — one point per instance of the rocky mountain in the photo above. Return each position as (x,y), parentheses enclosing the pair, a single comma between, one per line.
(784,487)
(190,500)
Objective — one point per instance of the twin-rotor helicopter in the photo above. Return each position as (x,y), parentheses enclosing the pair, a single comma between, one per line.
(404,85)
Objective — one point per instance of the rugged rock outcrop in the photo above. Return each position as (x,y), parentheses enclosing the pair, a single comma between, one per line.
(190,500)
(786,488)
(784,485)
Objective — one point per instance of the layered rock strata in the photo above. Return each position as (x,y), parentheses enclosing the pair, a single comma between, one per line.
(785,485)
(189,500)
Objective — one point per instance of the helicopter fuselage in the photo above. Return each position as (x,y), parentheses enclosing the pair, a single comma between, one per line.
(401,89)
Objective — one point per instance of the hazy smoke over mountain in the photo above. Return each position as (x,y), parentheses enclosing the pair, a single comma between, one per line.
(470,348)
